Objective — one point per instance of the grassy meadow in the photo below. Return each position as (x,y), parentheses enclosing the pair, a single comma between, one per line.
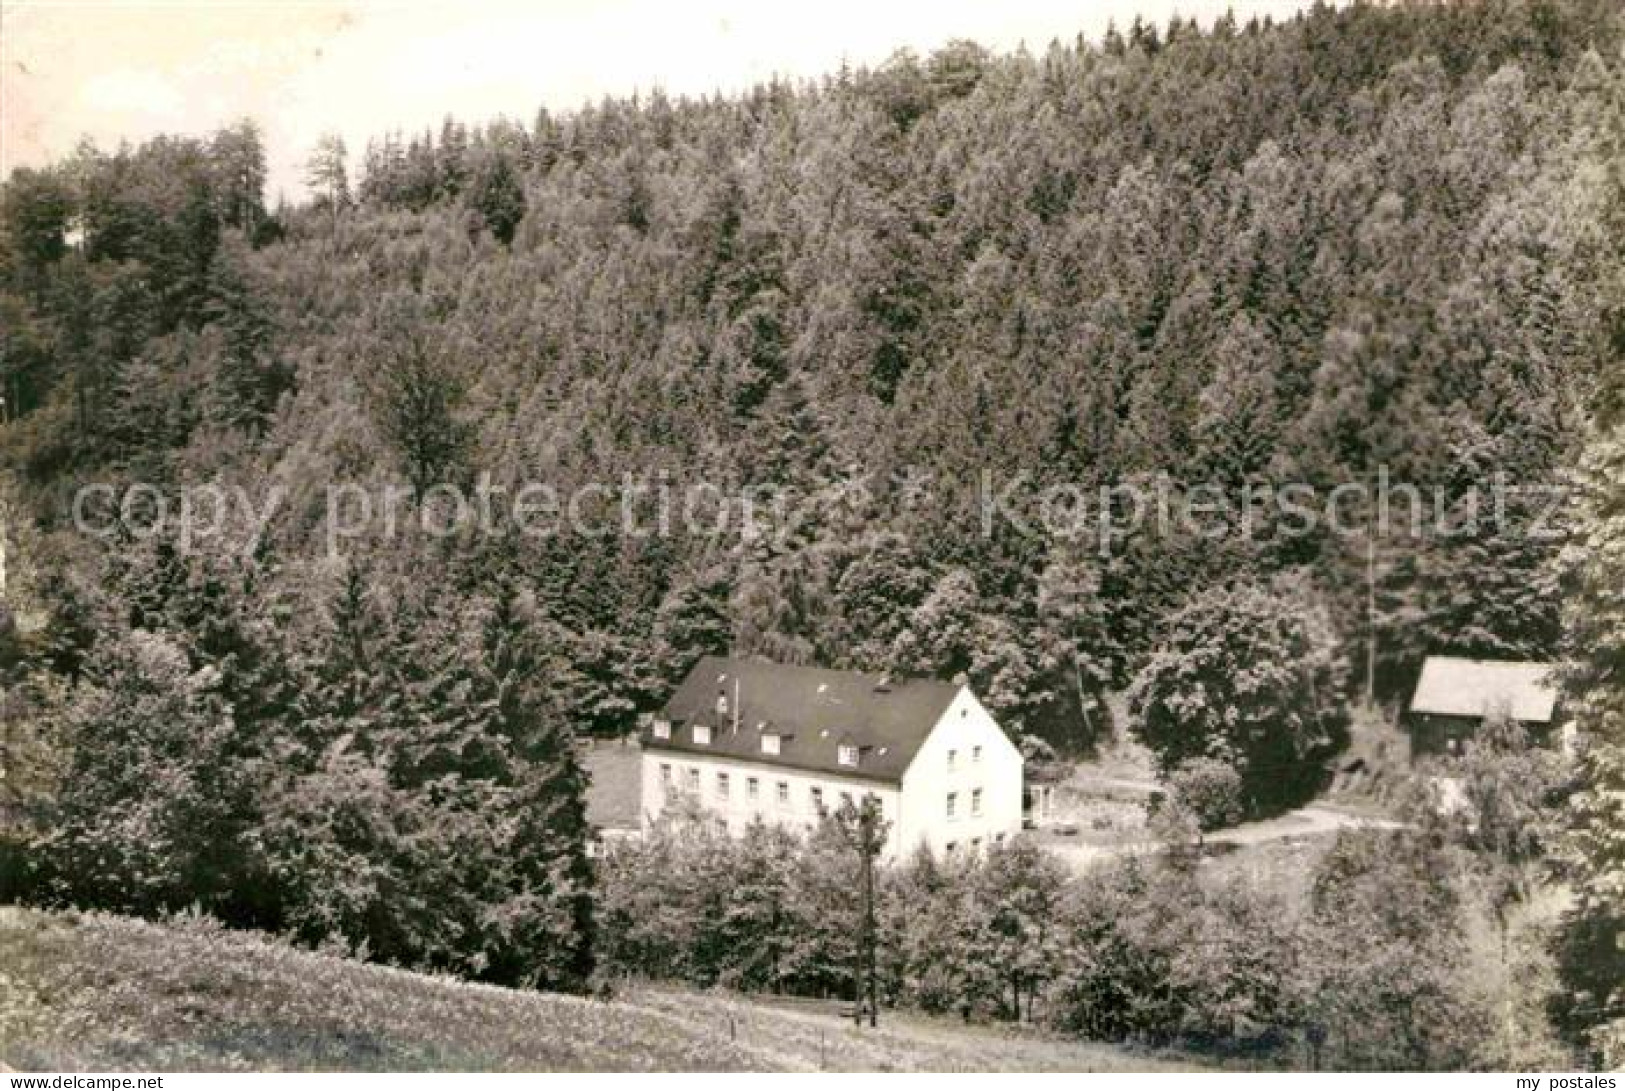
(94,992)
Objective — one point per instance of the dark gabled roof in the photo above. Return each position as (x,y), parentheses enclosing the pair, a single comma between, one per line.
(1477,688)
(813,711)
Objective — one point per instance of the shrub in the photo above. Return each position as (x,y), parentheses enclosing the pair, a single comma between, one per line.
(1212,791)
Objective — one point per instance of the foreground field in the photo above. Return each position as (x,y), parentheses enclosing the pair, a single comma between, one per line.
(95,992)
(81,991)
(808,1035)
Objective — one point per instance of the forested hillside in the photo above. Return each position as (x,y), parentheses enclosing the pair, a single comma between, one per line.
(1378,240)
(1224,256)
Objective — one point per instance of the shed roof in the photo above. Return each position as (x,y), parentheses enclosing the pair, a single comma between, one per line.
(1450,686)
(812,710)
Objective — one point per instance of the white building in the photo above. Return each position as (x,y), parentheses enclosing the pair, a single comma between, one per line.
(751,739)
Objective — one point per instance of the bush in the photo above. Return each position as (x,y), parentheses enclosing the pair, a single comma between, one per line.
(1211,790)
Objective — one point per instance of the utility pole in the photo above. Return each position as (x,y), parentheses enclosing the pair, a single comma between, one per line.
(5,539)
(7,621)
(1370,618)
(864,829)
(870,939)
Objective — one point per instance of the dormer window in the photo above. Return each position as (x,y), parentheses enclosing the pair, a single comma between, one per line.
(722,702)
(847,754)
(702,735)
(770,744)
(662,729)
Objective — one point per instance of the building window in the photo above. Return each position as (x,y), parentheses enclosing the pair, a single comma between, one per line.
(817,797)
(662,729)
(976,844)
(998,839)
(846,754)
(665,774)
(694,779)
(953,847)
(784,793)
(953,759)
(879,804)
(702,735)
(753,788)
(953,804)
(770,744)
(722,785)
(975,754)
(846,799)
(976,802)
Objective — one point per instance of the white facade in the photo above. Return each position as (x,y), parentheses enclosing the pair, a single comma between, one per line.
(783,797)
(961,792)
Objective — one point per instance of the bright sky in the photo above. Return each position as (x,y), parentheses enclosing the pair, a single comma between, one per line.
(304,67)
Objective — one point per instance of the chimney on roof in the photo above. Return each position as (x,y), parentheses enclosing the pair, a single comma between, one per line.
(884,684)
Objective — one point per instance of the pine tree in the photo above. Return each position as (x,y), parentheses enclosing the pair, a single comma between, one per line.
(415,395)
(451,159)
(693,621)
(249,379)
(1592,1007)
(326,177)
(496,194)
(543,920)
(239,157)
(1079,651)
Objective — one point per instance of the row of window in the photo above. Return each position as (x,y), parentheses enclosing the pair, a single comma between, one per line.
(975,844)
(815,794)
(846,753)
(753,789)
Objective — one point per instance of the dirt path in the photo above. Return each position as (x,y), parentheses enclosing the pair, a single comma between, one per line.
(1313,820)
(1318,819)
